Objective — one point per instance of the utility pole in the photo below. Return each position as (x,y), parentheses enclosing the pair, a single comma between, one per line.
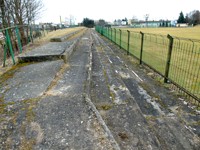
(60,22)
(146,19)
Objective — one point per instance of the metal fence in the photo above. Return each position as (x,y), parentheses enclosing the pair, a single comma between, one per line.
(12,40)
(176,59)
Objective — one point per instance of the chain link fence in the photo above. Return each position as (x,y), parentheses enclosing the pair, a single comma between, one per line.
(176,59)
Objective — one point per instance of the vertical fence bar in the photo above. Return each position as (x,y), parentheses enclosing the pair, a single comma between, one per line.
(171,40)
(107,32)
(115,36)
(120,39)
(101,30)
(142,45)
(128,44)
(10,46)
(111,34)
(18,39)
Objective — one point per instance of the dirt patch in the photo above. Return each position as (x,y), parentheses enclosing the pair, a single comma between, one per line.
(103,106)
(123,136)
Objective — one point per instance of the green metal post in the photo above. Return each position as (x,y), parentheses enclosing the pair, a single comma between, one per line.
(142,44)
(10,46)
(115,36)
(102,33)
(111,34)
(107,32)
(120,45)
(171,41)
(128,44)
(18,39)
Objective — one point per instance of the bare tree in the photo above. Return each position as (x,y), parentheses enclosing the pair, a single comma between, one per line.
(193,18)
(19,12)
(33,9)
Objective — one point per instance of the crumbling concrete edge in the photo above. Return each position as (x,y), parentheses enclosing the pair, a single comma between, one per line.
(93,108)
(66,54)
(38,58)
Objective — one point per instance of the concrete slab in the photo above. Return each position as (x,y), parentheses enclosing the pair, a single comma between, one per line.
(30,81)
(50,51)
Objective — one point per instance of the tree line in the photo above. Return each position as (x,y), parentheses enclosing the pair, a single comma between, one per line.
(192,18)
(19,12)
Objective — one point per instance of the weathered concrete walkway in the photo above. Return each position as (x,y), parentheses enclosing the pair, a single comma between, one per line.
(96,99)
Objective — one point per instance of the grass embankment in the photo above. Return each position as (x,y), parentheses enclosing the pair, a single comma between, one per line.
(57,33)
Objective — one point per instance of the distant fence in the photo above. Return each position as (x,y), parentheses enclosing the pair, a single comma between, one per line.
(176,59)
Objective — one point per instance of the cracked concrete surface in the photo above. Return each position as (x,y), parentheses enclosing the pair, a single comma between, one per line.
(98,99)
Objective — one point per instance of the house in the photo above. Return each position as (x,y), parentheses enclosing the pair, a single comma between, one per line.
(182,25)
(151,24)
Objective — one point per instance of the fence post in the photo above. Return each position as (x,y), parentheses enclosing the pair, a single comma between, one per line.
(107,32)
(111,34)
(101,30)
(128,44)
(10,46)
(120,38)
(115,36)
(142,45)
(171,41)
(18,39)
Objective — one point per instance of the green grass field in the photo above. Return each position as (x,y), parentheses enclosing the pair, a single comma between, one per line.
(185,58)
(190,32)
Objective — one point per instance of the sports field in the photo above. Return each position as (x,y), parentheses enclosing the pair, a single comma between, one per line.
(189,32)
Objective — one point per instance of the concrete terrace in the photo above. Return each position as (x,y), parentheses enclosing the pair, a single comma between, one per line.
(86,93)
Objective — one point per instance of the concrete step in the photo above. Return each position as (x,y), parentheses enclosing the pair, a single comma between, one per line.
(48,52)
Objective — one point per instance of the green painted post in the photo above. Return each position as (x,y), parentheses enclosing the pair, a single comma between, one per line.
(128,43)
(115,36)
(18,39)
(120,45)
(10,46)
(142,45)
(171,41)
(111,34)
(101,30)
(107,32)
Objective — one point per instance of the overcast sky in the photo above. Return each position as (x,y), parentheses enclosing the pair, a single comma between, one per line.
(110,10)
